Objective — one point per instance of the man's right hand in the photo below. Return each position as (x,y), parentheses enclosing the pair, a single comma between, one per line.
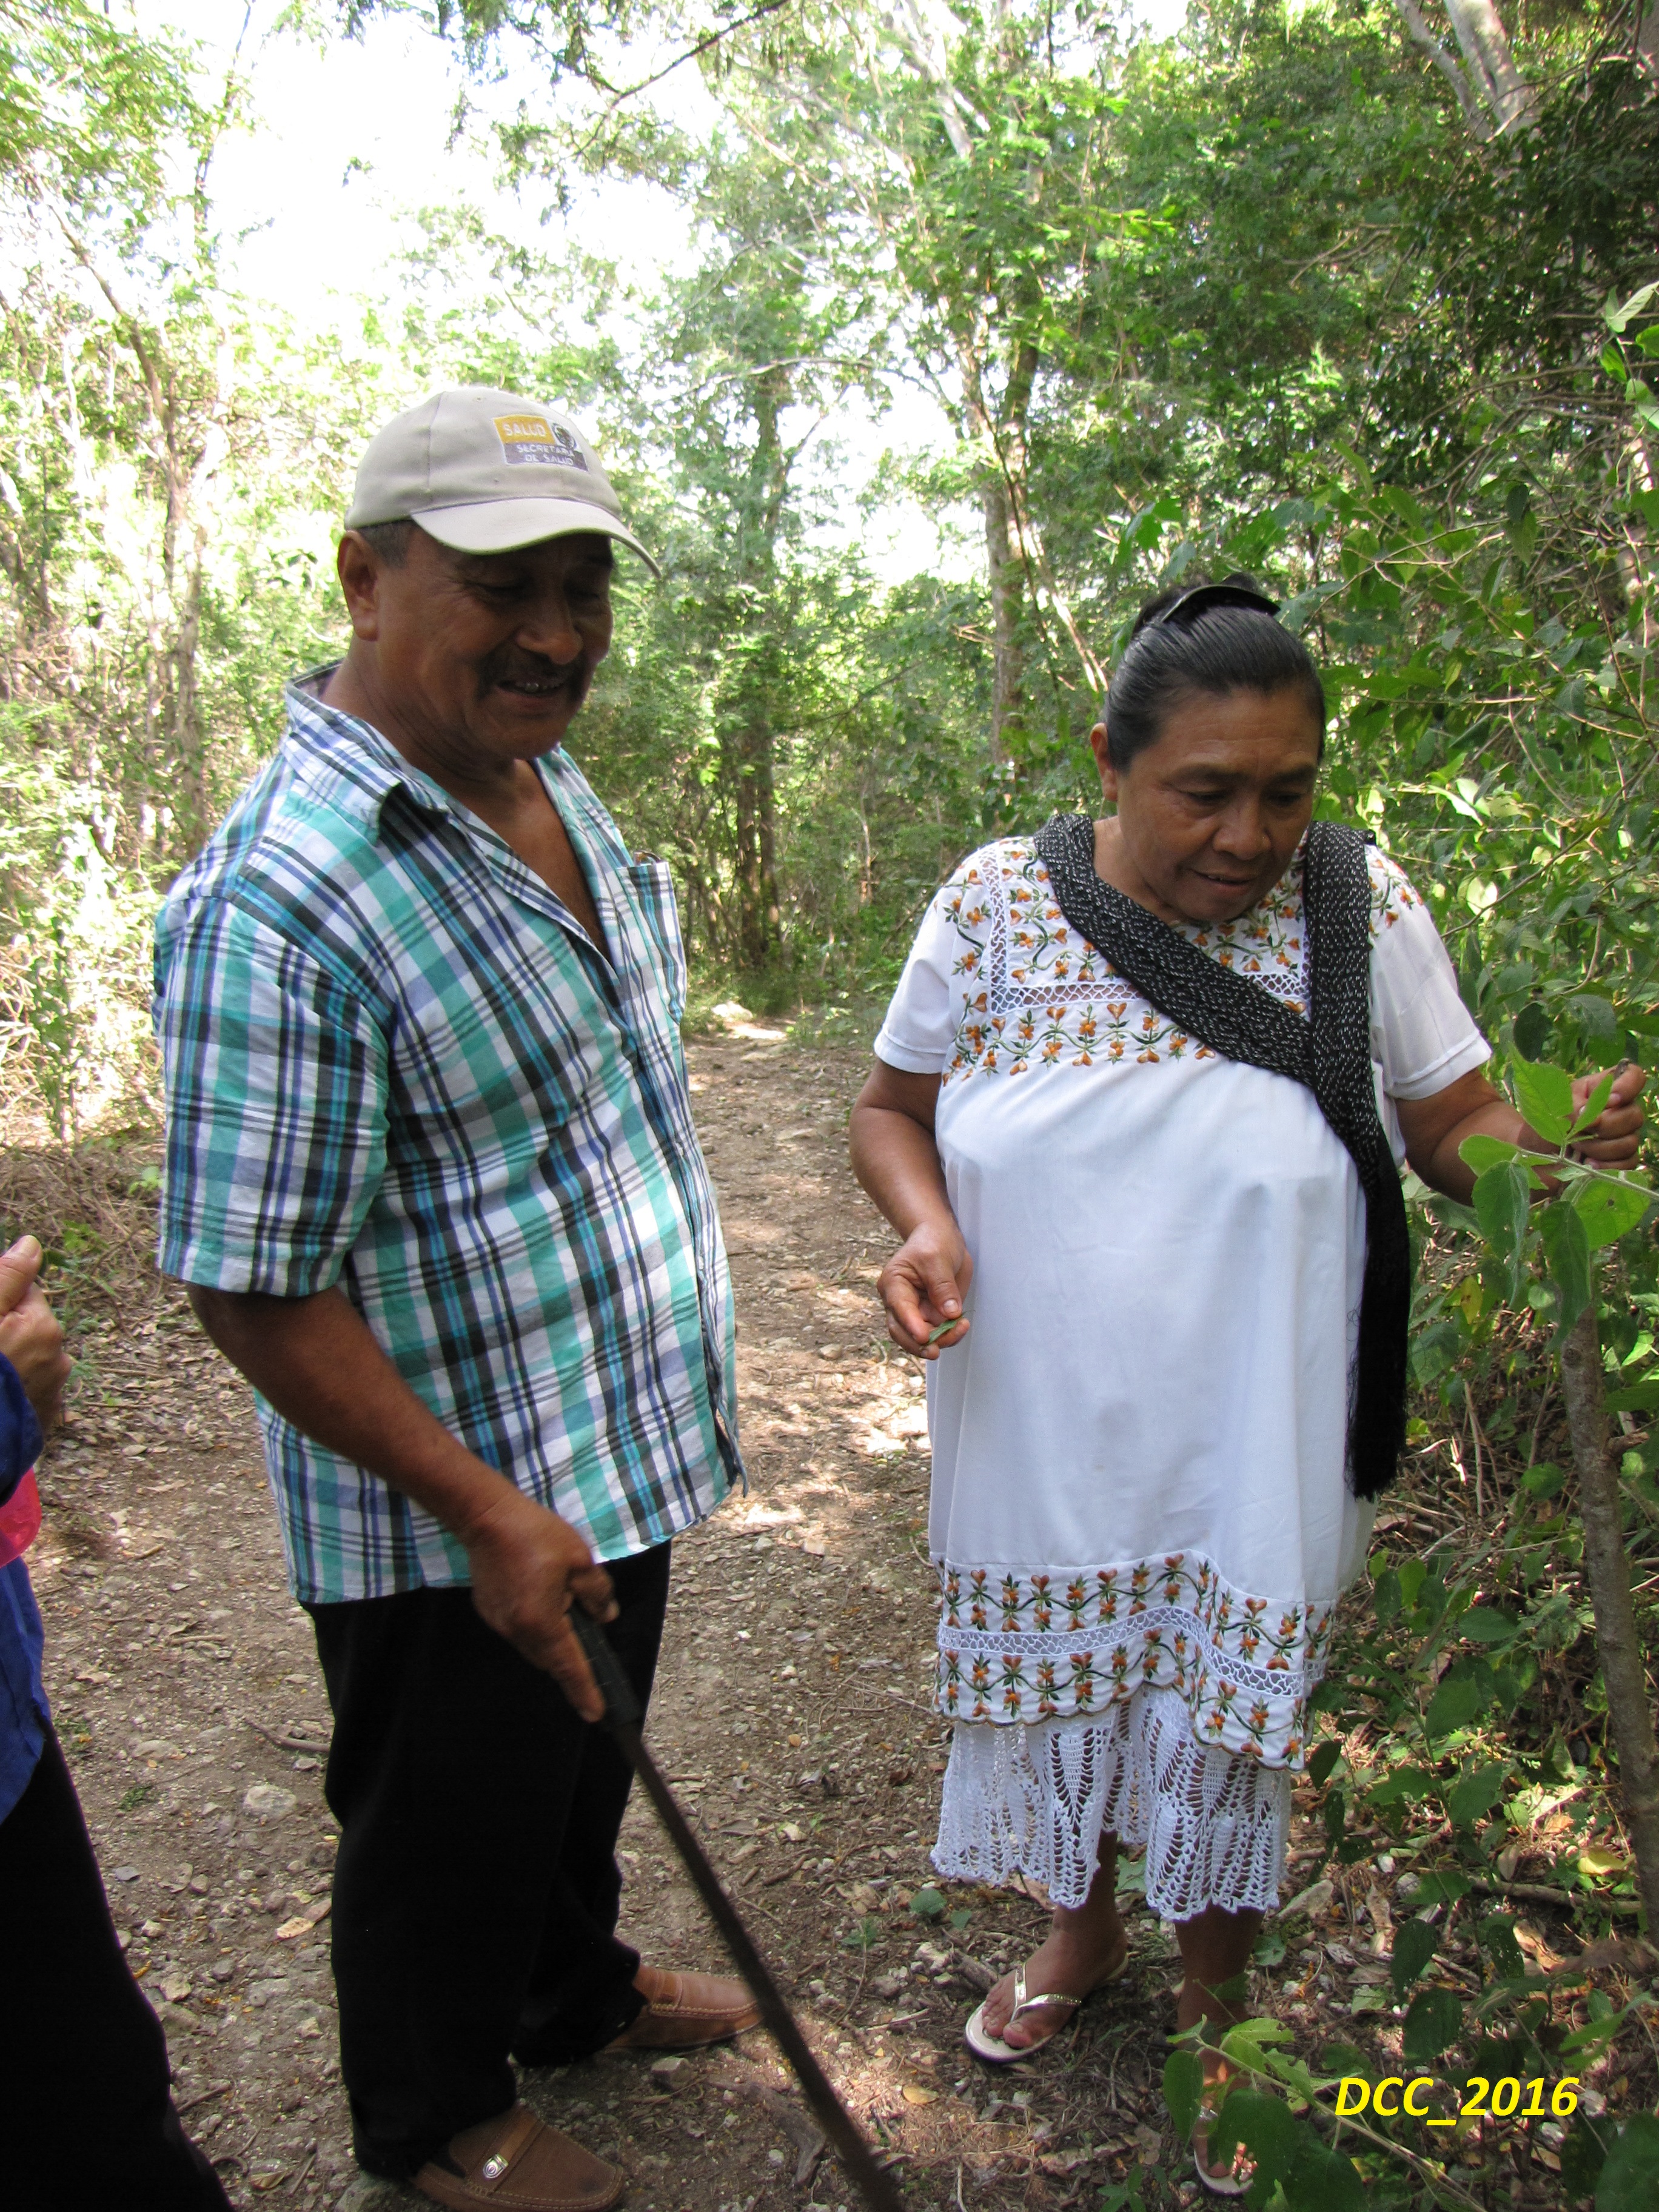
(528,1568)
(31,1335)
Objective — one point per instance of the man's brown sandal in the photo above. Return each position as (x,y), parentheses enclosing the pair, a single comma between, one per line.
(516,2164)
(684,2010)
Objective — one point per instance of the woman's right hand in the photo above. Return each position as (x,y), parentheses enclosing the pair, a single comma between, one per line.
(923,1286)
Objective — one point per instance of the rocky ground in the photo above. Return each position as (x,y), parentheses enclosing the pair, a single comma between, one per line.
(792,1718)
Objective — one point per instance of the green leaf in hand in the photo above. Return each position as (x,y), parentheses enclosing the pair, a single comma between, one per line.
(1596,1105)
(1567,1255)
(1322,2180)
(1482,1153)
(1609,1210)
(1544,1094)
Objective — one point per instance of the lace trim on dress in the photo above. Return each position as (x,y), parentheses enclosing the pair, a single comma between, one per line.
(1036,1799)
(1038,1647)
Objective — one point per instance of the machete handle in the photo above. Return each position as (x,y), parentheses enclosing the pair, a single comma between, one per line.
(621,1705)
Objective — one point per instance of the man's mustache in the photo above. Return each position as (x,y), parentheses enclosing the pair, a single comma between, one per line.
(519,668)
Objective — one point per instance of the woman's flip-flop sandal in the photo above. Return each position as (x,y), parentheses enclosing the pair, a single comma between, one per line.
(991,2048)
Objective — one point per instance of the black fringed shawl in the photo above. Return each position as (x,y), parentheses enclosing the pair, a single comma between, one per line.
(1329,1053)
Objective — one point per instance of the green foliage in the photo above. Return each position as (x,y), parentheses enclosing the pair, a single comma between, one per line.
(1629,2179)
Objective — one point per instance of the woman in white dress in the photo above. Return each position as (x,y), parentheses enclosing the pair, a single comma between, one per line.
(1157,1432)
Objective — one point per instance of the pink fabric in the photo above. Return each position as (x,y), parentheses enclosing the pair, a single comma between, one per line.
(20,1519)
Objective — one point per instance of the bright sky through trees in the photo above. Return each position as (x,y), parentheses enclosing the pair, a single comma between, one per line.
(349,139)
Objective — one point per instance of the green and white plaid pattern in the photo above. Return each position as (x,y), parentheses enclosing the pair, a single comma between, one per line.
(395,1063)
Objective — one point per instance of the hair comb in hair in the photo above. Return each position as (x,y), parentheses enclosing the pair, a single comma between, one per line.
(1184,607)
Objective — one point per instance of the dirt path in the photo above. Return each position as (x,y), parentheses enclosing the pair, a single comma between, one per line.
(791,1714)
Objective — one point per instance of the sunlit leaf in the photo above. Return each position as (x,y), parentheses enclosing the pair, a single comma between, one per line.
(1609,1210)
(1544,1094)
(1482,1153)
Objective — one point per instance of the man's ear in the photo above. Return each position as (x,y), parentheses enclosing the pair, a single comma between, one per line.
(1105,762)
(360,573)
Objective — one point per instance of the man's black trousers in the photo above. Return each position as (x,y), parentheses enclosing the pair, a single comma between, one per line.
(89,2123)
(476,1890)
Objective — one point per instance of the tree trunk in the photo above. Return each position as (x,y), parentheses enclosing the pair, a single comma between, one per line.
(1005,568)
(752,703)
(1623,1670)
(1647,44)
(757,870)
(1007,588)
(1491,90)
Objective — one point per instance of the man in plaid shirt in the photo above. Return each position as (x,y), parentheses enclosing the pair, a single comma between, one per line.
(433,1182)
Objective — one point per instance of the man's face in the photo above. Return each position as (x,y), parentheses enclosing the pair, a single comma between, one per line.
(481,658)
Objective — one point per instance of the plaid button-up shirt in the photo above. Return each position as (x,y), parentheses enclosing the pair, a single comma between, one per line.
(395,1063)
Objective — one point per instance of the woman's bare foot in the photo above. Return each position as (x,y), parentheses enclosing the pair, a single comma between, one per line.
(1086,1946)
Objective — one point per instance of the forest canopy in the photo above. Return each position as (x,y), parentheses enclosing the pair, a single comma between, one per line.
(1353,299)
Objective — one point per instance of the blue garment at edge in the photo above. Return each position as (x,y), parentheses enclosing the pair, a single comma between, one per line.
(24,1719)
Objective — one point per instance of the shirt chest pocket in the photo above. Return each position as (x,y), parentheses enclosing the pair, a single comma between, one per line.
(656,915)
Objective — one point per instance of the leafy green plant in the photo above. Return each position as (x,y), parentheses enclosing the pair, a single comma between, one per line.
(1590,1211)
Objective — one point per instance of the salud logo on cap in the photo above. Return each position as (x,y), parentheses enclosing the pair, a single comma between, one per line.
(533,438)
(484,471)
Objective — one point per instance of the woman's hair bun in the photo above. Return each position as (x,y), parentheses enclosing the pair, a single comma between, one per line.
(1185,603)
(1207,634)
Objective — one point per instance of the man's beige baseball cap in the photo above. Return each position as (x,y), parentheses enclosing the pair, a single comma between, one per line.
(486,472)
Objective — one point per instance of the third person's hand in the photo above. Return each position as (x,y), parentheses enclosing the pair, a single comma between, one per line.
(31,1335)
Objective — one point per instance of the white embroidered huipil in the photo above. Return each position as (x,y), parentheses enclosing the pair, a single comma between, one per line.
(1140,1511)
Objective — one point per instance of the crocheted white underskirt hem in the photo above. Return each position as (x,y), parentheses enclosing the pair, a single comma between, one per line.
(1036,1798)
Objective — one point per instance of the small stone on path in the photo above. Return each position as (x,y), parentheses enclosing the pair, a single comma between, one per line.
(267,1802)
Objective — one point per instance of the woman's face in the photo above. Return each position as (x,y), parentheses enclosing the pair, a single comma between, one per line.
(1209,813)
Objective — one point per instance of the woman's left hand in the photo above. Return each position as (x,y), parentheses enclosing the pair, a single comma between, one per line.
(1614,1140)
